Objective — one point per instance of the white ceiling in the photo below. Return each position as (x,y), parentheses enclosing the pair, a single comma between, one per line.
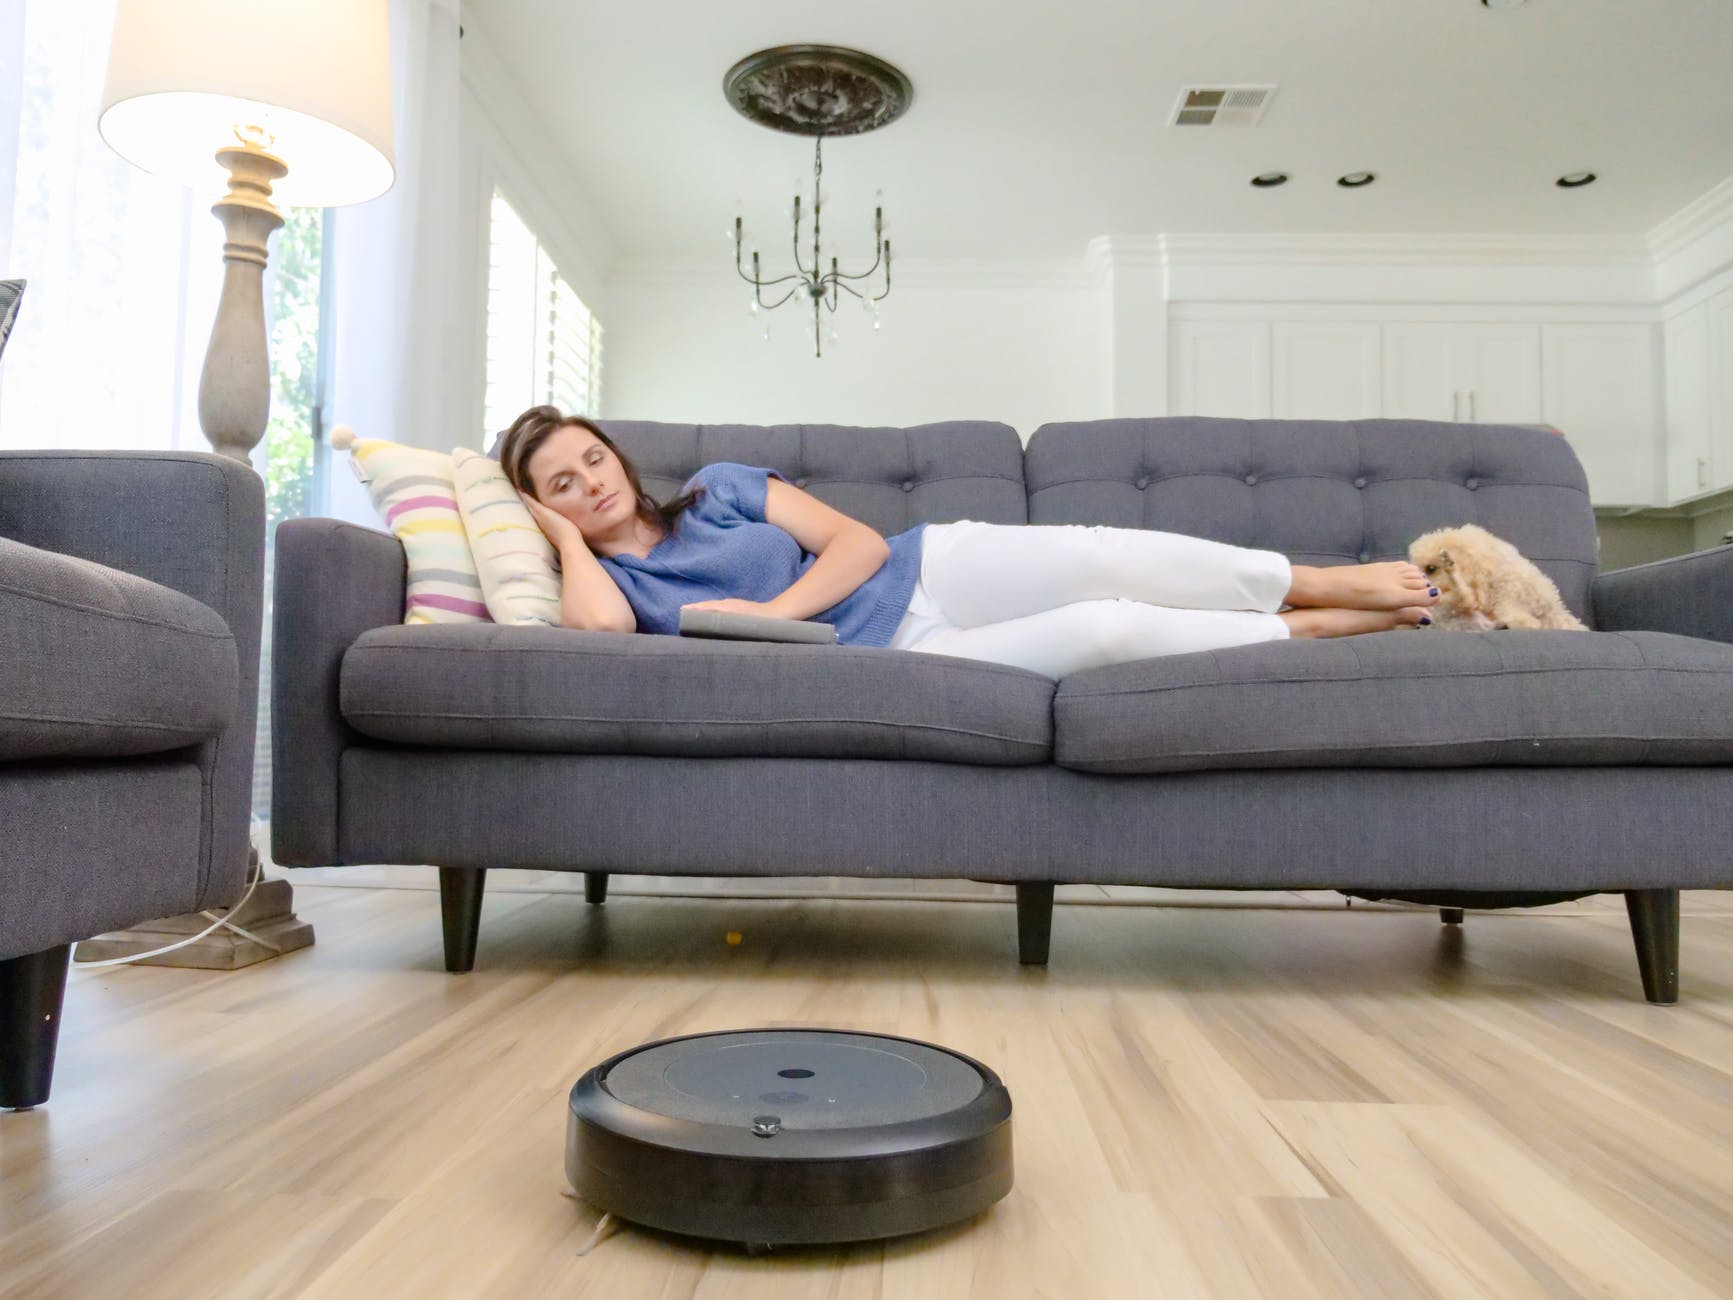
(1038,125)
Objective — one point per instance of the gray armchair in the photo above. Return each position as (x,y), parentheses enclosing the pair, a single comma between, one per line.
(130,603)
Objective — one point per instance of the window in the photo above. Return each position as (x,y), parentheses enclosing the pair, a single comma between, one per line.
(543,344)
(123,267)
(125,271)
(293,297)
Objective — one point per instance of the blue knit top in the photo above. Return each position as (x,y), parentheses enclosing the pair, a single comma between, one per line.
(721,547)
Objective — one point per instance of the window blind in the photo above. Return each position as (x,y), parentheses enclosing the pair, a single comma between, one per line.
(543,344)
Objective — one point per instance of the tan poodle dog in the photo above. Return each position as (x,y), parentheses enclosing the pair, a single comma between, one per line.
(1484,583)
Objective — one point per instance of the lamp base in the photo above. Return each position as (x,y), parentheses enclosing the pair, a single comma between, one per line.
(269,914)
(235,385)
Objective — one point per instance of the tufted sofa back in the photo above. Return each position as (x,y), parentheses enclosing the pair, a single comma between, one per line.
(892,479)
(1319,491)
(1322,491)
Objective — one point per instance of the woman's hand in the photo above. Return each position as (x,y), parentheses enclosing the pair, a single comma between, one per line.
(562,532)
(759,608)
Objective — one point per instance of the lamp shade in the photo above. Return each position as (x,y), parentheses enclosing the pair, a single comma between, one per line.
(310,80)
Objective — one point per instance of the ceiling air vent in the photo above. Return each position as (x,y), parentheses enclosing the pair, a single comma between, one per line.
(1221,105)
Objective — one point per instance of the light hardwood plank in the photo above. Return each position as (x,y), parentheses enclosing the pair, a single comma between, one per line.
(1280,1098)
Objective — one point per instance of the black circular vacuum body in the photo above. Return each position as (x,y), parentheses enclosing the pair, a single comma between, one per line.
(773,1137)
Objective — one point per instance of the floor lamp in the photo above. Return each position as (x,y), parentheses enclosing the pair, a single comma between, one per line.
(288,101)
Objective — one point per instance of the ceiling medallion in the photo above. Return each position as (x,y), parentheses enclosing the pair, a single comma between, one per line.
(818,90)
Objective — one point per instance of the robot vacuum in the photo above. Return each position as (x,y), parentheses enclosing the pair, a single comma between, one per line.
(784,1137)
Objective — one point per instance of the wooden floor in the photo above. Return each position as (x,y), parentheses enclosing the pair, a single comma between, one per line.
(1290,1101)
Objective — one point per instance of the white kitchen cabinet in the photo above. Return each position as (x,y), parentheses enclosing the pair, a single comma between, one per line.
(1721,390)
(1324,370)
(1483,372)
(1221,368)
(1689,428)
(1599,389)
(1420,378)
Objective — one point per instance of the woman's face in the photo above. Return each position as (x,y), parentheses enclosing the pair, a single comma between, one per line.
(580,477)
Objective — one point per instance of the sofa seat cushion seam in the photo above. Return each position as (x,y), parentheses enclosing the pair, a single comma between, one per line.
(1118,692)
(1238,751)
(972,667)
(111,721)
(826,720)
(44,598)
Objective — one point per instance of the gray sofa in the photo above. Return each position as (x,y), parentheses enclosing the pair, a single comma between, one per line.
(1507,767)
(130,587)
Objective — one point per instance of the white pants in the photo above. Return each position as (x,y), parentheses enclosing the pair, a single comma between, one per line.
(1057,599)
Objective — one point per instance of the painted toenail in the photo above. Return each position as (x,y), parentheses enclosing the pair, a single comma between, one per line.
(1432,591)
(1425,621)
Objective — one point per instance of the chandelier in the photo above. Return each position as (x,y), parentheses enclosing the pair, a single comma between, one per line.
(817,90)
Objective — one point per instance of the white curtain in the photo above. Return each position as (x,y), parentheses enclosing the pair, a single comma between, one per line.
(402,349)
(123,268)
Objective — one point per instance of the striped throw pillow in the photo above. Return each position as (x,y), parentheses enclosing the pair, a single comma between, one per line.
(413,489)
(513,557)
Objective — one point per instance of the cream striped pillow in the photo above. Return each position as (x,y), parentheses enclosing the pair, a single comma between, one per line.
(413,489)
(513,557)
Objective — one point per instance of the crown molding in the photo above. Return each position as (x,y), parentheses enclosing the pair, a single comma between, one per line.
(1405,250)
(1127,252)
(1691,222)
(957,273)
(1107,255)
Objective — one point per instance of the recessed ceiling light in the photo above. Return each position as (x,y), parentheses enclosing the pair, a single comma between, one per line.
(1354,180)
(1269,180)
(1572,180)
(1501,4)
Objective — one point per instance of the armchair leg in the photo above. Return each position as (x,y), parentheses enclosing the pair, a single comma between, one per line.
(595,887)
(1450,915)
(32,992)
(460,890)
(1034,921)
(1655,927)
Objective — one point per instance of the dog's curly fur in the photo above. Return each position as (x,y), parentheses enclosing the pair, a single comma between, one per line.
(1484,583)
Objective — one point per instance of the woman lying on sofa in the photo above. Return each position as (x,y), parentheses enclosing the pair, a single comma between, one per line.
(1050,598)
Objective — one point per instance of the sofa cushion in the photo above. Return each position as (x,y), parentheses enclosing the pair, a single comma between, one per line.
(889,479)
(1406,699)
(413,490)
(1322,491)
(554,689)
(99,663)
(514,561)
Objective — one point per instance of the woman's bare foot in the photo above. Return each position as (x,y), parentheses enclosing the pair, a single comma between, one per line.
(1351,622)
(1393,585)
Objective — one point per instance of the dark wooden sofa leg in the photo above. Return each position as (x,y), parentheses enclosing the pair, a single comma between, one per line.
(1655,926)
(1034,921)
(32,992)
(1450,915)
(460,890)
(596,887)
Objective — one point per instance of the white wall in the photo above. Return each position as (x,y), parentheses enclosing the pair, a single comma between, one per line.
(982,343)
(1038,342)
(506,146)
(1032,342)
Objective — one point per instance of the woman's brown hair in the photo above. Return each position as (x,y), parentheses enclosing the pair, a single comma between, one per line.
(531,429)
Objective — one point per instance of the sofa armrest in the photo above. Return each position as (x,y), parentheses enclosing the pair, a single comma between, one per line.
(190,521)
(334,581)
(1691,595)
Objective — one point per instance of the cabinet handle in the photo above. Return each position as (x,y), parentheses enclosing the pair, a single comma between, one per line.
(1456,404)
(1471,406)
(1702,472)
